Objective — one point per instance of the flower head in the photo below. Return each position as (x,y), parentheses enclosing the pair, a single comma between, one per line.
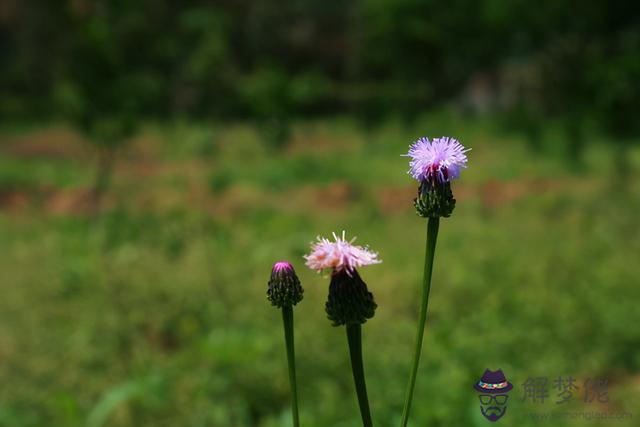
(439,160)
(280,266)
(284,285)
(339,255)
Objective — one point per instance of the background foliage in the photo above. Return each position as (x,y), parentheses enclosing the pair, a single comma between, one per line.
(90,59)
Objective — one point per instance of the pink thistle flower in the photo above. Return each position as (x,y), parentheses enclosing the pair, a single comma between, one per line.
(437,161)
(282,265)
(339,255)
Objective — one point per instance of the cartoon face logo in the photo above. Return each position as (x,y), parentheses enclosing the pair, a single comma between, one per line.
(493,388)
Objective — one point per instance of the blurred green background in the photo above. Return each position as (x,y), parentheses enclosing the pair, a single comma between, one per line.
(157,157)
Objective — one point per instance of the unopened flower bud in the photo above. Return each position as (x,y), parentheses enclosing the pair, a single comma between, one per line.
(284,286)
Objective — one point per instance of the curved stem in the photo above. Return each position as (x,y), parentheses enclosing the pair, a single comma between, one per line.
(432,235)
(354,336)
(287,319)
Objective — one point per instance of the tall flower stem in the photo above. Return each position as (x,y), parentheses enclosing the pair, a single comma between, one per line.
(432,235)
(287,319)
(354,336)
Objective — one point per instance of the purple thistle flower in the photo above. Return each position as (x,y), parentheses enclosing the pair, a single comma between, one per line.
(437,161)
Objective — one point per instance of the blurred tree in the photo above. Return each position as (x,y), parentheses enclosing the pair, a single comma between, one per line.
(587,60)
(616,73)
(102,100)
(267,96)
(31,55)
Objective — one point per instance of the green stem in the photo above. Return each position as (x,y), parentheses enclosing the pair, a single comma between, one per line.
(354,336)
(287,319)
(432,235)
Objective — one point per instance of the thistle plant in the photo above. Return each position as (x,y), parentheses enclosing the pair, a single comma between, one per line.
(284,292)
(349,302)
(434,164)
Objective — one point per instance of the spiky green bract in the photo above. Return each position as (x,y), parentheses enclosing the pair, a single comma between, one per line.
(349,301)
(435,199)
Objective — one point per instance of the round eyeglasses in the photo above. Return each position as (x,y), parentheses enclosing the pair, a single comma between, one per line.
(499,399)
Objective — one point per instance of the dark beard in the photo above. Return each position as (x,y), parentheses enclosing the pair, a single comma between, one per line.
(493,413)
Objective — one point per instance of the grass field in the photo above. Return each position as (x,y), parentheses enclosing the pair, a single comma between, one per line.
(154,312)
